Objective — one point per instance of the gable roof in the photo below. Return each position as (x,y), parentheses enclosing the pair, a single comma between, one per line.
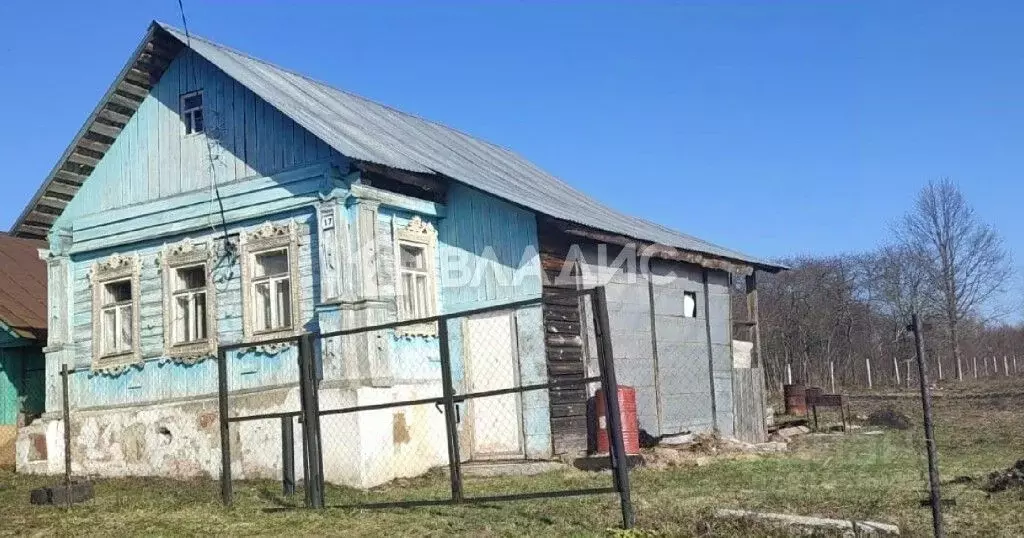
(22,287)
(364,131)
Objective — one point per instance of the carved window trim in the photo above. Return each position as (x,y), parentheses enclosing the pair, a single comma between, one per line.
(421,234)
(178,256)
(268,237)
(114,268)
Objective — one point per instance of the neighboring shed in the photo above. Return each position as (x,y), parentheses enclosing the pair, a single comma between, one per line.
(22,336)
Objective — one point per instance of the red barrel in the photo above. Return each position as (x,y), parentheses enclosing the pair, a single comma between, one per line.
(627,415)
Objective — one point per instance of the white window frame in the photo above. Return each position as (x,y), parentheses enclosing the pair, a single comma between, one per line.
(422,235)
(268,238)
(188,116)
(116,268)
(184,255)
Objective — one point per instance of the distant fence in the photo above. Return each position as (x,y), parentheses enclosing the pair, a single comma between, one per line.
(900,373)
(459,390)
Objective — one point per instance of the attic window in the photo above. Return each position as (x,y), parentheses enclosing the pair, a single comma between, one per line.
(192,112)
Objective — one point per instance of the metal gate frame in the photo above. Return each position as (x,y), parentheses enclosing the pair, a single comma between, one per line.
(310,412)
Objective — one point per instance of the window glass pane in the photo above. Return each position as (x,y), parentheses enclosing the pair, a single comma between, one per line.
(117,292)
(284,303)
(262,297)
(193,101)
(109,328)
(422,296)
(190,278)
(408,295)
(197,121)
(181,319)
(200,315)
(125,327)
(411,257)
(271,263)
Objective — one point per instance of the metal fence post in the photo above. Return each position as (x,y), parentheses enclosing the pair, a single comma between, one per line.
(310,424)
(451,429)
(929,434)
(67,431)
(287,456)
(617,449)
(226,493)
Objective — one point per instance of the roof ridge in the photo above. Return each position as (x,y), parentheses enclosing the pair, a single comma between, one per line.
(174,29)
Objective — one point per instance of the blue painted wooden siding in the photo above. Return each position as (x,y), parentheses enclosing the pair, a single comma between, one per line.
(488,251)
(159,379)
(153,158)
(413,358)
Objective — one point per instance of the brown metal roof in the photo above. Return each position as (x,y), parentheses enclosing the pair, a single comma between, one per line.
(23,286)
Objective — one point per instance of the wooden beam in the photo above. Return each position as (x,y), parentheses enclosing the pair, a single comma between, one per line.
(143,76)
(163,49)
(142,85)
(94,145)
(57,204)
(62,188)
(70,177)
(139,78)
(125,99)
(104,129)
(111,115)
(156,60)
(128,87)
(422,181)
(647,247)
(38,217)
(78,158)
(752,317)
(32,232)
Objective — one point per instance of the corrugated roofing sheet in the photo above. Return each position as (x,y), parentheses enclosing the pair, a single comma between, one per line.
(368,131)
(22,286)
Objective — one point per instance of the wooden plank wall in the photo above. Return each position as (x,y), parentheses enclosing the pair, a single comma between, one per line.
(152,158)
(20,375)
(564,350)
(748,402)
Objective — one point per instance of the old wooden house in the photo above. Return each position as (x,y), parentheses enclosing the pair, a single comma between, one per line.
(22,337)
(214,198)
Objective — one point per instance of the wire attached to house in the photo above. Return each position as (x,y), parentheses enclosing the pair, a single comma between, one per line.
(214,188)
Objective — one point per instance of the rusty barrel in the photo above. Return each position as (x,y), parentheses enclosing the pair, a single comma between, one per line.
(627,415)
(796,399)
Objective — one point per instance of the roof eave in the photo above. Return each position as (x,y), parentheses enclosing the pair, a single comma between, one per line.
(17,229)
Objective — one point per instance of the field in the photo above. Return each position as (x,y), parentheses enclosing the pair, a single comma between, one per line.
(980,428)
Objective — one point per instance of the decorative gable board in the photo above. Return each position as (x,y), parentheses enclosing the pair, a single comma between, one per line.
(153,158)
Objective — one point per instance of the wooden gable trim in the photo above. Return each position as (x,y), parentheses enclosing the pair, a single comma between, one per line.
(117,106)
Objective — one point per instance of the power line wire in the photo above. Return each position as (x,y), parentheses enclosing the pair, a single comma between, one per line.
(214,188)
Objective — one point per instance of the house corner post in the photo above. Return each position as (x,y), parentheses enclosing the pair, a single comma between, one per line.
(66,409)
(753,317)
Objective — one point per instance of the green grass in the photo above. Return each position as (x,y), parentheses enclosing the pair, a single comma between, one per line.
(881,478)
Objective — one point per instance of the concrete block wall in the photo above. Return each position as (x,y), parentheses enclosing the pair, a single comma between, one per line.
(669,367)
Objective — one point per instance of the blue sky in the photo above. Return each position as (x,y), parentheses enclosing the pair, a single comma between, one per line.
(774,128)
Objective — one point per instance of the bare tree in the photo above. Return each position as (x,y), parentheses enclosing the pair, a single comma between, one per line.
(963,259)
